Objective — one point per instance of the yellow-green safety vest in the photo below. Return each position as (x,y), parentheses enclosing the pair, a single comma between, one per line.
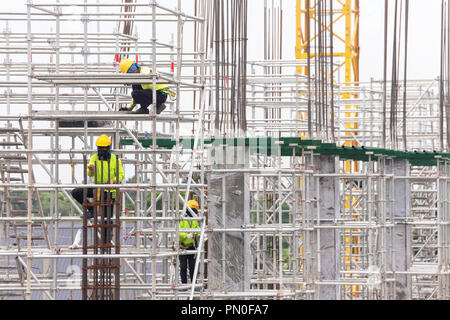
(147,70)
(113,171)
(185,242)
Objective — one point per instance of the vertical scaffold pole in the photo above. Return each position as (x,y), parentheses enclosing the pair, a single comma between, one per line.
(153,115)
(29,151)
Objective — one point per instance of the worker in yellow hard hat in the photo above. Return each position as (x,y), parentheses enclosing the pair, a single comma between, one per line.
(142,94)
(104,168)
(188,241)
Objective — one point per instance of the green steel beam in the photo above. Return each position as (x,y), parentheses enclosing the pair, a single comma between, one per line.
(293,146)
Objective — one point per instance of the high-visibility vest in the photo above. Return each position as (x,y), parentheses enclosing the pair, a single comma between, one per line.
(147,70)
(185,242)
(113,170)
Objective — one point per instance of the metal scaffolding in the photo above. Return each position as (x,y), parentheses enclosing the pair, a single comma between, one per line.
(280,216)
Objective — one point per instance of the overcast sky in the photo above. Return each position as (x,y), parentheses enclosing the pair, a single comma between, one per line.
(423,49)
(423,38)
(424,33)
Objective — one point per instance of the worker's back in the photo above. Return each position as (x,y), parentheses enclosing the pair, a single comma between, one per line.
(147,70)
(185,241)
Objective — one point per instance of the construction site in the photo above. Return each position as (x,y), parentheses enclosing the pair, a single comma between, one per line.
(310,182)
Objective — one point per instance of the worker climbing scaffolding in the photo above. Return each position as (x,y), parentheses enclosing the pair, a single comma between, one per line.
(142,94)
(188,241)
(100,276)
(104,167)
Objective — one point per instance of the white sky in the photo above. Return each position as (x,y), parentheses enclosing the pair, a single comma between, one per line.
(424,33)
(423,39)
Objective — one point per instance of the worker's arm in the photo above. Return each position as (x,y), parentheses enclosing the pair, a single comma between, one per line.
(196,234)
(130,107)
(91,167)
(132,104)
(183,237)
(121,173)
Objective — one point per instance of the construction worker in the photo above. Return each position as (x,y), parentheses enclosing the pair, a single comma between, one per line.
(188,241)
(102,159)
(143,93)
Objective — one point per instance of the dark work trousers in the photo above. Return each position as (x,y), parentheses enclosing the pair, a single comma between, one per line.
(186,261)
(77,194)
(145,97)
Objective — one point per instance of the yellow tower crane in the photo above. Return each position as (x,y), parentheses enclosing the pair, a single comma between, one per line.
(342,24)
(345,26)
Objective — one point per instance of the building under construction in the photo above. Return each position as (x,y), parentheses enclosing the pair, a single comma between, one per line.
(311,184)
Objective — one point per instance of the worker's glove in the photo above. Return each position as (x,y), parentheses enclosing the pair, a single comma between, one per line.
(91,169)
(130,108)
(190,235)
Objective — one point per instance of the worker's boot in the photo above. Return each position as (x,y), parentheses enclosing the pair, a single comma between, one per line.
(142,110)
(160,108)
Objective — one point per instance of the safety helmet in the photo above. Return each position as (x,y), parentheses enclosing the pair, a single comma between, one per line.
(193,204)
(103,141)
(125,64)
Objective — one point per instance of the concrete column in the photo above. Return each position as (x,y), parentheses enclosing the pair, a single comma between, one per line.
(229,253)
(402,231)
(326,260)
(329,209)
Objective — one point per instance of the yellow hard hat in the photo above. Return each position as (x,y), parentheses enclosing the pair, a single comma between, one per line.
(125,64)
(103,141)
(193,204)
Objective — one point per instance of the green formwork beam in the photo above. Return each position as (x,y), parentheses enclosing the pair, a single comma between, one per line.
(293,146)
(263,145)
